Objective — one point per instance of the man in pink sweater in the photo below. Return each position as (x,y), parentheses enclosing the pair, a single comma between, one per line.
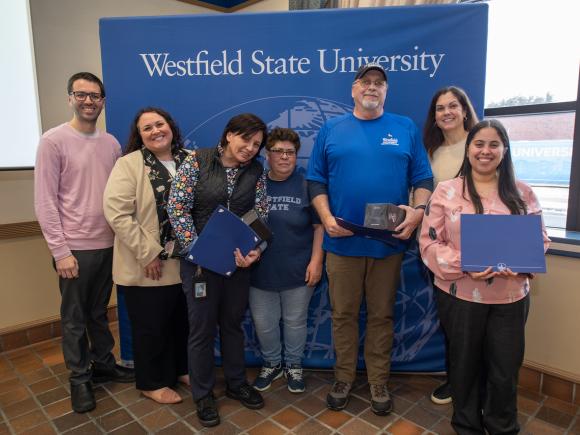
(73,163)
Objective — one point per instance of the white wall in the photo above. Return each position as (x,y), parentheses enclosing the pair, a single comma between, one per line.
(66,40)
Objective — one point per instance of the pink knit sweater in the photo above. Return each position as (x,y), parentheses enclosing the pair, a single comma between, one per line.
(69,179)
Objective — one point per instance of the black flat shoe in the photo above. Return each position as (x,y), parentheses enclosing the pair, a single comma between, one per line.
(116,373)
(442,394)
(207,412)
(247,395)
(82,397)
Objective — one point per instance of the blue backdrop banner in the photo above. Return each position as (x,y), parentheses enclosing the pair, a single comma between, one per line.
(295,69)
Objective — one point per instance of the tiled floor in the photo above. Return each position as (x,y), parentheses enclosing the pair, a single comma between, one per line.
(34,399)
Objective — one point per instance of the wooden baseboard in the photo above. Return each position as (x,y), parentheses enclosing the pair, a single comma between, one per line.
(19,229)
(31,333)
(558,373)
(552,382)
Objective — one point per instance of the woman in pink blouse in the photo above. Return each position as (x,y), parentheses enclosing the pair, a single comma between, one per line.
(483,313)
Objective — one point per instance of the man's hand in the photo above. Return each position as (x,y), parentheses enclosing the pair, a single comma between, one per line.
(412,220)
(335,230)
(67,267)
(153,269)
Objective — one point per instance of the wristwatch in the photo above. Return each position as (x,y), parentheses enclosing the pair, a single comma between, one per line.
(420,206)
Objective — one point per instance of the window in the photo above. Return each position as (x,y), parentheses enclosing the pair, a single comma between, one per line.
(541,148)
(532,87)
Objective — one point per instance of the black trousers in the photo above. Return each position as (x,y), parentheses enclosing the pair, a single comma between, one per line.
(435,290)
(486,350)
(159,330)
(86,336)
(224,305)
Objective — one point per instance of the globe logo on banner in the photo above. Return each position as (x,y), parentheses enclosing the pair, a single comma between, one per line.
(304,114)
(415,313)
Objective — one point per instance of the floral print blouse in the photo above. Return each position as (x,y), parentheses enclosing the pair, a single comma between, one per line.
(440,244)
(181,197)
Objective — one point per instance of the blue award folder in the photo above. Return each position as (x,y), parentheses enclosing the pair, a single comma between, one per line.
(385,236)
(502,241)
(214,248)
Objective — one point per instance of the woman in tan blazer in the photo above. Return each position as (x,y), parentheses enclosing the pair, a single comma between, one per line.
(134,203)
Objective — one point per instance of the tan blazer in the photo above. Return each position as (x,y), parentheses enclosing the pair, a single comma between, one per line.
(130,209)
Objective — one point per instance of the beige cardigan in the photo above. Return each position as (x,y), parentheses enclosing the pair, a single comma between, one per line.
(129,206)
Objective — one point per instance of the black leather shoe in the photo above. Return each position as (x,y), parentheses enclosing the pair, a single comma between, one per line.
(82,397)
(247,396)
(116,374)
(207,412)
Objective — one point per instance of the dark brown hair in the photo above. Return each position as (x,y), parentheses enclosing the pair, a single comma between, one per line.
(432,135)
(89,77)
(280,134)
(506,183)
(245,125)
(135,141)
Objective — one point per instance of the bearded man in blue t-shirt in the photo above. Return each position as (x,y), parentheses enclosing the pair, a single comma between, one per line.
(367,156)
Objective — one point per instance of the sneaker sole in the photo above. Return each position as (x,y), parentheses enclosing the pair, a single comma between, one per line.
(381,412)
(438,401)
(296,390)
(209,423)
(337,408)
(270,384)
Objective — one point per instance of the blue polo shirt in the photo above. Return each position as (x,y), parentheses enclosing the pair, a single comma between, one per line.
(367,161)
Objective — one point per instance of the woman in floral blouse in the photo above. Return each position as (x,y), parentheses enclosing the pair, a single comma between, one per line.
(483,313)
(227,175)
(134,203)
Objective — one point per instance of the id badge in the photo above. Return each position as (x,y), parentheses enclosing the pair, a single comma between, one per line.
(199,290)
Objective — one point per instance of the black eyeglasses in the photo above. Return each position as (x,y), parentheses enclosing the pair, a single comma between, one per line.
(82,96)
(280,152)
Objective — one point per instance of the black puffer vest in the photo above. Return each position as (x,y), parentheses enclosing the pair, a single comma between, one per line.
(212,189)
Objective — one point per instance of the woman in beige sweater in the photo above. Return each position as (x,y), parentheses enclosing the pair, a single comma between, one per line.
(449,119)
(134,204)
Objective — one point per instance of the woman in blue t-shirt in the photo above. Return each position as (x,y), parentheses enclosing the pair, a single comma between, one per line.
(284,279)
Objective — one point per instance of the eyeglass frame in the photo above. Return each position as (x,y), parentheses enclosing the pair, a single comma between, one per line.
(281,153)
(94,96)
(366,83)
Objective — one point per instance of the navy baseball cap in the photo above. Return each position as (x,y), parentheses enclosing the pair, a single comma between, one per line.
(370,67)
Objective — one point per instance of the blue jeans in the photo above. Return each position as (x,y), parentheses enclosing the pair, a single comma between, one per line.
(290,306)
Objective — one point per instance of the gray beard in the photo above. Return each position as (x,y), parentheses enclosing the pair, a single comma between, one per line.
(370,105)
